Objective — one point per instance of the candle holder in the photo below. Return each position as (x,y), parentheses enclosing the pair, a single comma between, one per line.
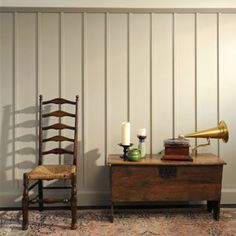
(142,146)
(125,151)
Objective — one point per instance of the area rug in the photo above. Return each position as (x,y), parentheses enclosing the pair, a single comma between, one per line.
(127,222)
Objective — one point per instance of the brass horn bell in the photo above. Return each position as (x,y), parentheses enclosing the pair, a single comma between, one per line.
(219,132)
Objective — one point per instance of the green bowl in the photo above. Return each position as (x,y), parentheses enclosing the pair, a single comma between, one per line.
(134,158)
(134,154)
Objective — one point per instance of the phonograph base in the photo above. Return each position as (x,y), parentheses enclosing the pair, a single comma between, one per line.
(177,150)
(177,158)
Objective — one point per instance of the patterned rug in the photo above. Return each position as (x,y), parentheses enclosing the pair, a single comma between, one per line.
(127,222)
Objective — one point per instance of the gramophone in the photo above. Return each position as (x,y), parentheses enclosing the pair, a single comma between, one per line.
(178,149)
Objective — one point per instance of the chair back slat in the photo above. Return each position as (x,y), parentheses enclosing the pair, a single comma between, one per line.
(58,138)
(59,101)
(58,126)
(58,151)
(58,114)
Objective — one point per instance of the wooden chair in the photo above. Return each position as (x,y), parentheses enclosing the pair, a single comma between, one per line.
(53,172)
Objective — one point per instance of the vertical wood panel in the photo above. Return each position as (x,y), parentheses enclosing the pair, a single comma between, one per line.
(72,77)
(25,93)
(49,81)
(227,93)
(162,80)
(184,74)
(117,79)
(7,166)
(49,60)
(207,76)
(140,76)
(95,101)
(126,72)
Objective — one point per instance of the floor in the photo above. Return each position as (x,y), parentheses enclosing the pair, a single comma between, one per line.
(127,222)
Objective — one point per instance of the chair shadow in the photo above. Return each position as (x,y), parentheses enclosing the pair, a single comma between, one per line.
(18,145)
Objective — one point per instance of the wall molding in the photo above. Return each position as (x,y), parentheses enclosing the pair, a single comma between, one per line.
(116,10)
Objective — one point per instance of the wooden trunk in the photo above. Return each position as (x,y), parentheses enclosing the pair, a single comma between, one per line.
(166,183)
(153,179)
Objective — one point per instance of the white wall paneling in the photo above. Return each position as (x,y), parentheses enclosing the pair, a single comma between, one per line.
(162,79)
(139,76)
(94,110)
(170,71)
(7,167)
(25,106)
(184,78)
(72,84)
(117,78)
(207,75)
(49,62)
(49,55)
(227,84)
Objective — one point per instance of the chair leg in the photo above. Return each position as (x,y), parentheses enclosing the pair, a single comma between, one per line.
(40,191)
(73,202)
(25,203)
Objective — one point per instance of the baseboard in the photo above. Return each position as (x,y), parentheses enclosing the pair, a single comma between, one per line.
(94,198)
(228,196)
(9,199)
(99,198)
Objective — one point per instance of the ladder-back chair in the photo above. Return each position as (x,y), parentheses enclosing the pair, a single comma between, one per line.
(53,171)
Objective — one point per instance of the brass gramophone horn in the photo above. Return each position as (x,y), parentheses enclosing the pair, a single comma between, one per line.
(219,132)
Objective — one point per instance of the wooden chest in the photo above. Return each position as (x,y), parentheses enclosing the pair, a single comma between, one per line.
(155,180)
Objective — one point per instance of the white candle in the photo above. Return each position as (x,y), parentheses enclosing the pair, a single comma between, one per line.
(142,132)
(125,133)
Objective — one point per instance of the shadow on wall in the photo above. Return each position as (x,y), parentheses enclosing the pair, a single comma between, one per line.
(97,176)
(7,158)
(19,154)
(16,153)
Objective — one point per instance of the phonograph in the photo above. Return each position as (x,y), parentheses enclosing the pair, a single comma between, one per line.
(178,149)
